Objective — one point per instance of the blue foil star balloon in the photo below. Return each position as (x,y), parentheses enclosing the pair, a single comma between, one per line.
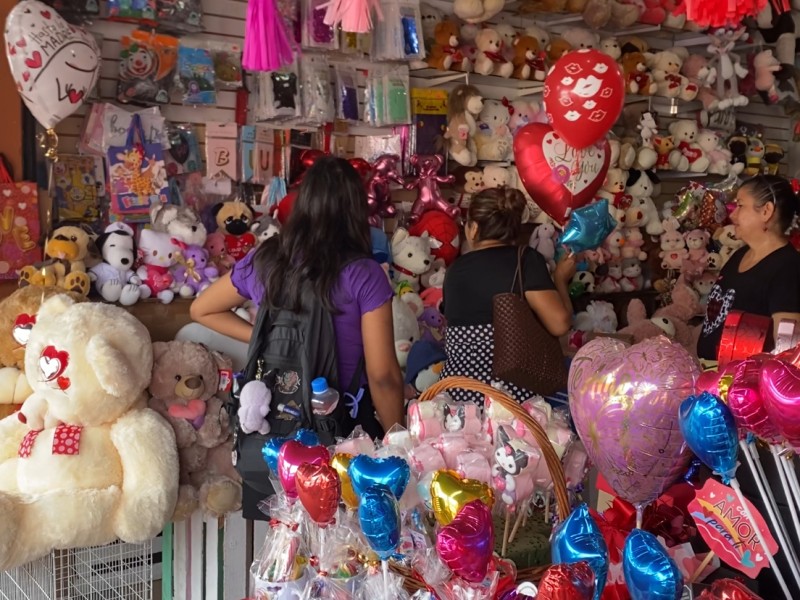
(709,429)
(588,227)
(271,448)
(578,538)
(650,573)
(379,516)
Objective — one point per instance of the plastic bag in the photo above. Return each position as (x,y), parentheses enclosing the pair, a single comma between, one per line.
(147,63)
(318,107)
(196,76)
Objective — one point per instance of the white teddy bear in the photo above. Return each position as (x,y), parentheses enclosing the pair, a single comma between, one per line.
(411,257)
(688,155)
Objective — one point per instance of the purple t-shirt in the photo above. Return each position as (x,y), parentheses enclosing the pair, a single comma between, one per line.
(362,287)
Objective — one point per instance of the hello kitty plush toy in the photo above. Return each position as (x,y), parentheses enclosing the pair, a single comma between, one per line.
(158,253)
(511,460)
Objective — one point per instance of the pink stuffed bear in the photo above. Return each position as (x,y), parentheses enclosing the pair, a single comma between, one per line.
(673,246)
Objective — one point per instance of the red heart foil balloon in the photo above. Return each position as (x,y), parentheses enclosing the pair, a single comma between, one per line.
(780,390)
(467,543)
(728,589)
(293,454)
(746,403)
(567,582)
(584,94)
(558,178)
(319,489)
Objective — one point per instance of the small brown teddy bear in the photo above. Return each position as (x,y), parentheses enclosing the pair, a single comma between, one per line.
(557,48)
(445,53)
(528,59)
(70,252)
(17,316)
(637,76)
(186,378)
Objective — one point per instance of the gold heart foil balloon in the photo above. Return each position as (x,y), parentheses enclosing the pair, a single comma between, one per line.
(340,462)
(449,494)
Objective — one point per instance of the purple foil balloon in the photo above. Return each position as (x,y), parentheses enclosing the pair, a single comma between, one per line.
(747,404)
(624,402)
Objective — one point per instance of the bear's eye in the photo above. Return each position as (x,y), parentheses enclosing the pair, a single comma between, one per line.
(410,255)
(74,238)
(177,377)
(155,252)
(169,255)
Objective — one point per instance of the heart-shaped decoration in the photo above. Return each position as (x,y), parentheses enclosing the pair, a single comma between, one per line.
(193,411)
(341,462)
(584,94)
(272,447)
(467,543)
(22,205)
(293,454)
(710,432)
(567,582)
(392,472)
(379,517)
(7,193)
(649,570)
(728,589)
(746,403)
(624,403)
(53,363)
(557,177)
(578,539)
(450,493)
(179,148)
(780,389)
(318,489)
(23,325)
(65,61)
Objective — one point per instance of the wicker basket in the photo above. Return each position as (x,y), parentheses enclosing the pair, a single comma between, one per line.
(548,452)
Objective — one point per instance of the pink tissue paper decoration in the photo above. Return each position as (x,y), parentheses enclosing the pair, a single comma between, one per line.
(354,15)
(266,44)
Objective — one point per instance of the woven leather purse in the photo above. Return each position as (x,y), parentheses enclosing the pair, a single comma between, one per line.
(525,353)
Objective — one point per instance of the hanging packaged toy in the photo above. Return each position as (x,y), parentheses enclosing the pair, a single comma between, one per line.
(396,101)
(278,95)
(347,93)
(79,188)
(183,153)
(133,11)
(221,154)
(76,11)
(258,154)
(317,33)
(137,176)
(184,16)
(147,62)
(227,59)
(399,35)
(196,76)
(316,87)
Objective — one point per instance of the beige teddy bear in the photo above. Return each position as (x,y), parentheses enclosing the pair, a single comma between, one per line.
(109,469)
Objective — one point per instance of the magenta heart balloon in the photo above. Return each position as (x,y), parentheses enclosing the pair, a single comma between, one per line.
(293,454)
(780,390)
(624,402)
(466,544)
(746,402)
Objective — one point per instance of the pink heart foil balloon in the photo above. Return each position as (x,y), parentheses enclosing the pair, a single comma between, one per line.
(293,454)
(746,402)
(624,403)
(466,544)
(780,390)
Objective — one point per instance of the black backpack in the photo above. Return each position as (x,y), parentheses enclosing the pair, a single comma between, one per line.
(287,351)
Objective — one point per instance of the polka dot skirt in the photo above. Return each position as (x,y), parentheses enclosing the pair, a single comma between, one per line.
(470,349)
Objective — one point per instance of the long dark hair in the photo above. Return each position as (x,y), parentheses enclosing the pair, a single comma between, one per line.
(327,228)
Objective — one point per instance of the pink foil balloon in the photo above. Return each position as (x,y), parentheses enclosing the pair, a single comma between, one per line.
(293,454)
(426,181)
(624,402)
(378,183)
(780,390)
(746,402)
(467,543)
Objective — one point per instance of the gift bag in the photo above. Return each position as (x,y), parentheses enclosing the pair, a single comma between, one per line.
(137,176)
(19,224)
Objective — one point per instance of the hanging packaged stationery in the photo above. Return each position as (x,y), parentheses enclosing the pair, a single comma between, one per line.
(183,154)
(78,12)
(317,33)
(396,102)
(221,155)
(315,74)
(133,11)
(278,95)
(137,176)
(227,59)
(258,154)
(373,96)
(19,224)
(347,108)
(411,23)
(429,122)
(196,76)
(147,64)
(79,188)
(184,16)
(107,125)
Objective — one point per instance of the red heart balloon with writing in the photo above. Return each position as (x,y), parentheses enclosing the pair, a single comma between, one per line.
(558,178)
(583,94)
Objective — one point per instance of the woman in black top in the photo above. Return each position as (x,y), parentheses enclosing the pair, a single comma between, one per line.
(762,277)
(494,224)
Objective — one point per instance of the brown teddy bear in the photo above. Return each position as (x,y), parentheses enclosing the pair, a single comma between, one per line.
(185,381)
(637,76)
(17,316)
(445,53)
(528,59)
(557,48)
(70,252)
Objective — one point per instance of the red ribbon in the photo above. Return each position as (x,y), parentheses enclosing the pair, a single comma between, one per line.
(505,102)
(495,57)
(795,186)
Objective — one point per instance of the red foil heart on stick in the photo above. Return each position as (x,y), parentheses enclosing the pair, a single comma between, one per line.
(291,456)
(467,543)
(319,489)
(558,178)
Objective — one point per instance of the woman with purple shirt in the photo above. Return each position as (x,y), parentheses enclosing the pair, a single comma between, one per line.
(326,240)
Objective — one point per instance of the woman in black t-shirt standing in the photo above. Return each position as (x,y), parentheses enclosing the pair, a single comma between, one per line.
(762,277)
(494,224)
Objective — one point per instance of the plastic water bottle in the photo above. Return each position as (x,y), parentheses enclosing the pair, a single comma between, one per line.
(323,399)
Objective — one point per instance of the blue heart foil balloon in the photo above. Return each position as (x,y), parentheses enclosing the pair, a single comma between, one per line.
(577,539)
(379,516)
(587,227)
(271,448)
(709,429)
(650,573)
(391,472)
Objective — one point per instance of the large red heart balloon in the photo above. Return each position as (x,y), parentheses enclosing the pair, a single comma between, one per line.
(780,390)
(557,177)
(746,402)
(293,454)
(318,488)
(584,94)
